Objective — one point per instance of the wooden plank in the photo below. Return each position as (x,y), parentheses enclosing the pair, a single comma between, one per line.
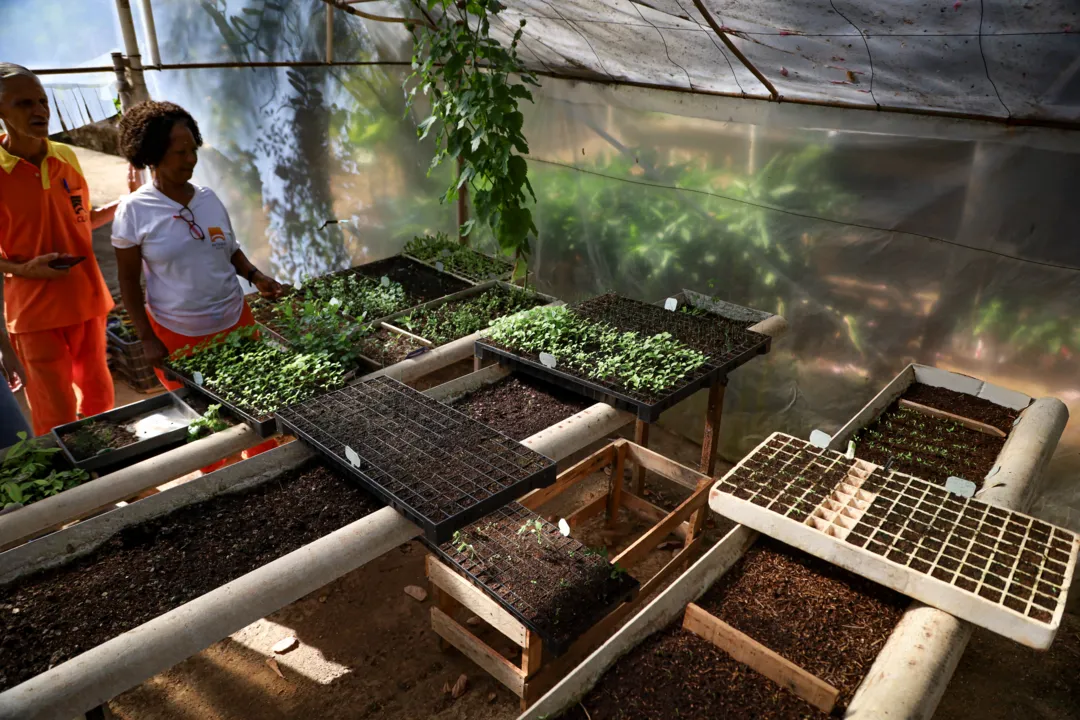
(656,534)
(474,648)
(473,598)
(750,652)
(966,422)
(641,437)
(582,514)
(661,465)
(571,476)
(650,512)
(532,655)
(616,490)
(713,414)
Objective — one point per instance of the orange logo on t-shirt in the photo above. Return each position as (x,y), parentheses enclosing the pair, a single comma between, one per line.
(217,236)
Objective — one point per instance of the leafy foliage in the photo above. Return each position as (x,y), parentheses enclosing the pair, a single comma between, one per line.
(28,474)
(208,423)
(599,351)
(359,295)
(458,318)
(319,327)
(456,258)
(466,76)
(256,376)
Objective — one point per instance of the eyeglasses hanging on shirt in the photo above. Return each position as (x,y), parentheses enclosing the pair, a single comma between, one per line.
(193,227)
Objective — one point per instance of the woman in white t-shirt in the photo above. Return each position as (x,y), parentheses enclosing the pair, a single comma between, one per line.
(178,234)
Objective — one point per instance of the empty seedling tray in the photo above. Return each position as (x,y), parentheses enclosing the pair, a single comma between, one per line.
(437,466)
(506,555)
(999,569)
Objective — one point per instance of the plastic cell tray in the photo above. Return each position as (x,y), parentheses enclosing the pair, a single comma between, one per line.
(999,569)
(126,416)
(437,466)
(484,561)
(264,426)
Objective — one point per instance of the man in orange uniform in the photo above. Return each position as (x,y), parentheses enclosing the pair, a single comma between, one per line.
(55,299)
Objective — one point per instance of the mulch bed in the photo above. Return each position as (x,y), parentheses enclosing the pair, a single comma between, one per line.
(421,282)
(824,619)
(964,405)
(152,568)
(520,406)
(676,674)
(387,347)
(97,437)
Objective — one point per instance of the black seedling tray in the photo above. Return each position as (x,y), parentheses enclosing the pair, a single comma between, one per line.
(114,458)
(264,426)
(485,563)
(437,466)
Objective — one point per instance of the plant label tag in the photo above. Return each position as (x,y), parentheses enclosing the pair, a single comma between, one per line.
(993,471)
(385,281)
(960,486)
(416,353)
(353,458)
(547,360)
(671,304)
(335,302)
(445,252)
(197,377)
(564,527)
(1017,420)
(439,266)
(820,439)
(850,454)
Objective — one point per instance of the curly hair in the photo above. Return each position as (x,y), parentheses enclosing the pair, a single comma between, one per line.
(145,131)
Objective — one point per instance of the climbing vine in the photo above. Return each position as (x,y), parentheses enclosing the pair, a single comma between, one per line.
(468,79)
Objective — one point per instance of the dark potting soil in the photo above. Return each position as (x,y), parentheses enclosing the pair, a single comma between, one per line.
(824,619)
(555,584)
(421,282)
(964,405)
(676,674)
(520,406)
(149,569)
(387,347)
(97,437)
(717,338)
(938,448)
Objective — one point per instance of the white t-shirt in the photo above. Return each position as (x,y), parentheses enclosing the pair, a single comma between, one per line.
(191,285)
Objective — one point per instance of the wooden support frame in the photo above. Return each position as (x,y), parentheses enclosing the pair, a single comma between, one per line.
(536,674)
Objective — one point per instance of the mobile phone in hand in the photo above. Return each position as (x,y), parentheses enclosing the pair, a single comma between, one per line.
(66,262)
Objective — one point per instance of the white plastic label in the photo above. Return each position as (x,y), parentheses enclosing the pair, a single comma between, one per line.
(335,302)
(445,252)
(197,377)
(671,304)
(960,486)
(820,439)
(439,266)
(993,471)
(547,360)
(385,281)
(850,454)
(352,457)
(564,527)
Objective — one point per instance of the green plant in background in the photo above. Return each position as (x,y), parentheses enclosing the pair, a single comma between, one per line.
(645,365)
(468,79)
(28,474)
(208,423)
(457,258)
(319,327)
(458,318)
(256,376)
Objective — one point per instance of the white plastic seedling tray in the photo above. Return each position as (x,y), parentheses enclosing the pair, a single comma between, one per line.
(998,569)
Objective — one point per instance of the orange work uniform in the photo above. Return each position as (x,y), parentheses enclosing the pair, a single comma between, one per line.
(57,327)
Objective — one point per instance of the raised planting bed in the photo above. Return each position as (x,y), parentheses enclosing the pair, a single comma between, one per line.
(459,260)
(141,571)
(636,364)
(553,584)
(252,378)
(996,568)
(467,312)
(520,406)
(436,465)
(33,469)
(110,439)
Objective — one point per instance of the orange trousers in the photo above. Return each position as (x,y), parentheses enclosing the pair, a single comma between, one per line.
(174,341)
(67,373)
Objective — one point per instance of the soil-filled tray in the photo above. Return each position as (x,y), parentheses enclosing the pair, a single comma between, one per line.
(386,347)
(998,569)
(963,404)
(676,674)
(109,439)
(553,584)
(519,406)
(149,569)
(459,260)
(436,465)
(421,282)
(828,621)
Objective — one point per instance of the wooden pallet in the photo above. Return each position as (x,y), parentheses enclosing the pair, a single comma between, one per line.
(535,674)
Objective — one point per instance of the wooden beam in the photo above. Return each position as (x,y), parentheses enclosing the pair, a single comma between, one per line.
(571,476)
(476,650)
(532,654)
(661,465)
(734,50)
(656,534)
(616,489)
(750,652)
(591,510)
(643,507)
(473,598)
(713,414)
(966,422)
(641,437)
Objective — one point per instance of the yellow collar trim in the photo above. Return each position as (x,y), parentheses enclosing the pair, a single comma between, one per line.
(7,160)
(52,150)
